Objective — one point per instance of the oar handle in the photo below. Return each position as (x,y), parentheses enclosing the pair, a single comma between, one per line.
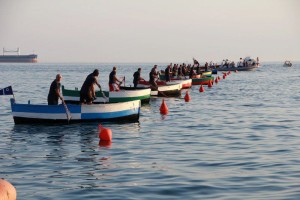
(68,113)
(104,96)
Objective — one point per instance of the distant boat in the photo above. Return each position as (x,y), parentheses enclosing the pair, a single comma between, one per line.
(247,64)
(287,63)
(31,58)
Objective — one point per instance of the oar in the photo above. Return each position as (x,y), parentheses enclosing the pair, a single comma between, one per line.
(104,96)
(68,113)
(162,93)
(122,82)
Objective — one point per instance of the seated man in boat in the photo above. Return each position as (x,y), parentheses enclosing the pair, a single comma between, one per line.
(113,86)
(87,91)
(152,76)
(54,91)
(168,72)
(137,77)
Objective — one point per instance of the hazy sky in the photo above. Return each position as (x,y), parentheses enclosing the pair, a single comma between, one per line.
(151,30)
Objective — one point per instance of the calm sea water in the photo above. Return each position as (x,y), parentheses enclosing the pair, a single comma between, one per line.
(238,140)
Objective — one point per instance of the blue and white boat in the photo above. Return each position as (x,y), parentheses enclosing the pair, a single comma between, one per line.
(54,114)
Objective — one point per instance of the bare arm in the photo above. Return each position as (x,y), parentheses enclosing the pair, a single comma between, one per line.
(99,86)
(58,93)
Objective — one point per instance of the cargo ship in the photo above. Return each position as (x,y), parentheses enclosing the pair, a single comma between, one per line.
(31,58)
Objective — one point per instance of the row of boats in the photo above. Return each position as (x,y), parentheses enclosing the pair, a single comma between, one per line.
(122,106)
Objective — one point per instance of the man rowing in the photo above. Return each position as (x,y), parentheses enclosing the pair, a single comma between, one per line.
(87,91)
(137,77)
(54,91)
(152,76)
(168,72)
(113,86)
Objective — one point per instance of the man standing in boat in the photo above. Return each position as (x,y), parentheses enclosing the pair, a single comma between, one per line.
(168,73)
(206,66)
(137,77)
(113,86)
(152,76)
(54,91)
(87,91)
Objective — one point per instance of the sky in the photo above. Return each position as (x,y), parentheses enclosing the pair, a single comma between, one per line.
(114,31)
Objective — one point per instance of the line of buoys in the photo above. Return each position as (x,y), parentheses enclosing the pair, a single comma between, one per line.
(164,108)
(105,134)
(187,97)
(201,89)
(7,190)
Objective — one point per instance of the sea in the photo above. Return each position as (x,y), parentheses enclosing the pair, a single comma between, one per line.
(239,139)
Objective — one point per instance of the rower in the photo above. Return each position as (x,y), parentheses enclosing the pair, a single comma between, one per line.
(54,91)
(113,86)
(137,77)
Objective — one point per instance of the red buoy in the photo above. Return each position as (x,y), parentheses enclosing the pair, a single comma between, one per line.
(216,80)
(219,78)
(236,71)
(105,134)
(224,76)
(164,108)
(187,97)
(201,89)
(106,144)
(209,84)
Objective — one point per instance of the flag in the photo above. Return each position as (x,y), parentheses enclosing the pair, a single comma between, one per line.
(6,91)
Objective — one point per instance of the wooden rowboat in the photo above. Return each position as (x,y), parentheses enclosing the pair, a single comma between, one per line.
(198,80)
(172,90)
(73,96)
(185,82)
(54,114)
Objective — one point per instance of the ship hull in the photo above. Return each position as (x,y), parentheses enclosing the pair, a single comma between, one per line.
(18,58)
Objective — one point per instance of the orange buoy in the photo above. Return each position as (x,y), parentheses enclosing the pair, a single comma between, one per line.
(106,144)
(187,97)
(105,134)
(209,84)
(216,80)
(7,190)
(201,89)
(164,108)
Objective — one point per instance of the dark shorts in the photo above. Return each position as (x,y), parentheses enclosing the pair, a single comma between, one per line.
(52,100)
(85,98)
